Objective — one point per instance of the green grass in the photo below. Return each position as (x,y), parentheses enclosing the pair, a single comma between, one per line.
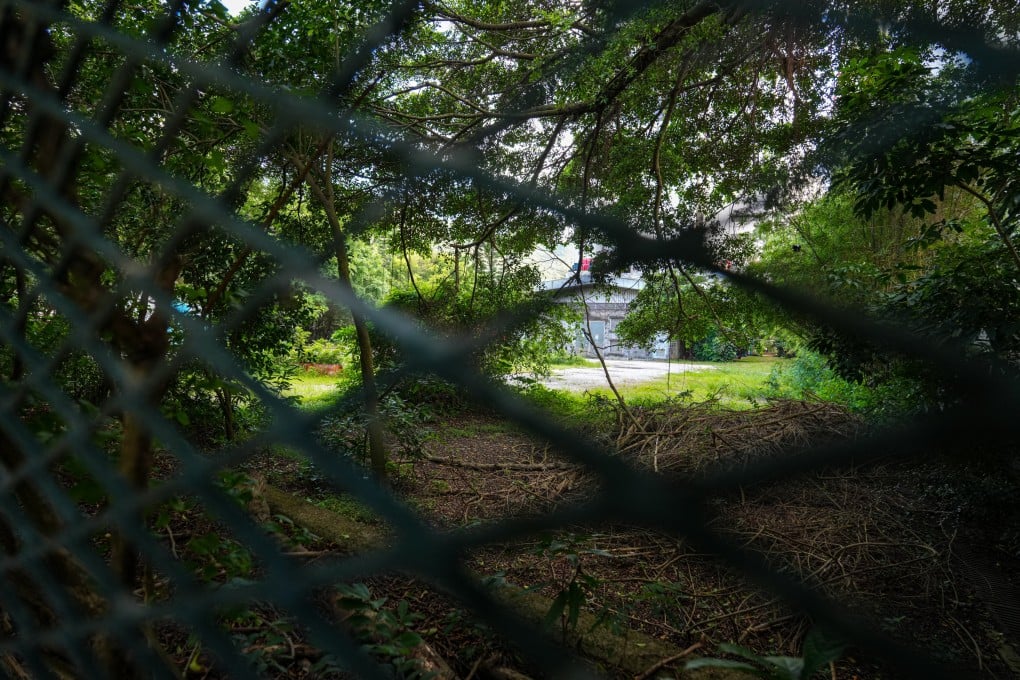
(348,507)
(571,409)
(737,384)
(313,390)
(571,360)
(448,432)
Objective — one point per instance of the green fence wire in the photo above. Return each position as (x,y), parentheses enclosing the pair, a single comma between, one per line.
(50,547)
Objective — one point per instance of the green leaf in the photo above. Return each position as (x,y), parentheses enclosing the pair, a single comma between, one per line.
(221,105)
(358,590)
(556,610)
(408,639)
(737,650)
(695,664)
(575,600)
(820,648)
(788,667)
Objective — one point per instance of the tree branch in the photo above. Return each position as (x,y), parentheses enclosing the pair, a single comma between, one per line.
(213,300)
(996,221)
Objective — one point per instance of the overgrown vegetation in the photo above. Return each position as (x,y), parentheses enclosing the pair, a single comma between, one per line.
(298,244)
(733,384)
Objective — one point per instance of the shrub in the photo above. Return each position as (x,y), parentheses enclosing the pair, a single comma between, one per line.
(345,431)
(714,348)
(81,378)
(323,352)
(809,376)
(510,330)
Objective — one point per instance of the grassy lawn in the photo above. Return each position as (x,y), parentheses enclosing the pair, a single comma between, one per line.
(734,383)
(313,390)
(571,360)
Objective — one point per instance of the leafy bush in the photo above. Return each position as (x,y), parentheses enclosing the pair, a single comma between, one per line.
(568,359)
(577,589)
(213,408)
(819,650)
(691,313)
(215,557)
(323,352)
(346,430)
(81,378)
(810,376)
(510,331)
(77,374)
(436,394)
(335,350)
(387,634)
(714,348)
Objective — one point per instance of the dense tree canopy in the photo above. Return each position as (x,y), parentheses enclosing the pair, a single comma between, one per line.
(658,116)
(415,154)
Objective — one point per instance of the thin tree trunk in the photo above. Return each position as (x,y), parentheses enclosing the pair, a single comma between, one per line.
(377,454)
(18,368)
(993,216)
(227,408)
(135,465)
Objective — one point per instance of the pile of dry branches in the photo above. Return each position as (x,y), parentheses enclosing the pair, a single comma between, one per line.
(867,536)
(681,439)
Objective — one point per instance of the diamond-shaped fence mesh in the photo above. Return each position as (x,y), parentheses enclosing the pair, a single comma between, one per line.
(111,173)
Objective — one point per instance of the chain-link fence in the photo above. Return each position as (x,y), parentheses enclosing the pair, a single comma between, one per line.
(73,178)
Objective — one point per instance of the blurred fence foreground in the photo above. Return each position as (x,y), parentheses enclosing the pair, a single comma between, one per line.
(126,156)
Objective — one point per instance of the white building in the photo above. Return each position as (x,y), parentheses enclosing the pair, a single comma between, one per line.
(608,304)
(603,307)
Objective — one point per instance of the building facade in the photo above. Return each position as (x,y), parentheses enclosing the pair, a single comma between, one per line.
(603,306)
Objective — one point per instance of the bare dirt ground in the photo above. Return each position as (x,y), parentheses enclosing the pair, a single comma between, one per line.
(874,538)
(622,371)
(882,540)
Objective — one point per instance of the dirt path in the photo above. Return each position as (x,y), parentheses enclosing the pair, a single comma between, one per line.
(622,371)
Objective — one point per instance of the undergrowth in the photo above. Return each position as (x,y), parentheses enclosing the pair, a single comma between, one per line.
(808,376)
(737,384)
